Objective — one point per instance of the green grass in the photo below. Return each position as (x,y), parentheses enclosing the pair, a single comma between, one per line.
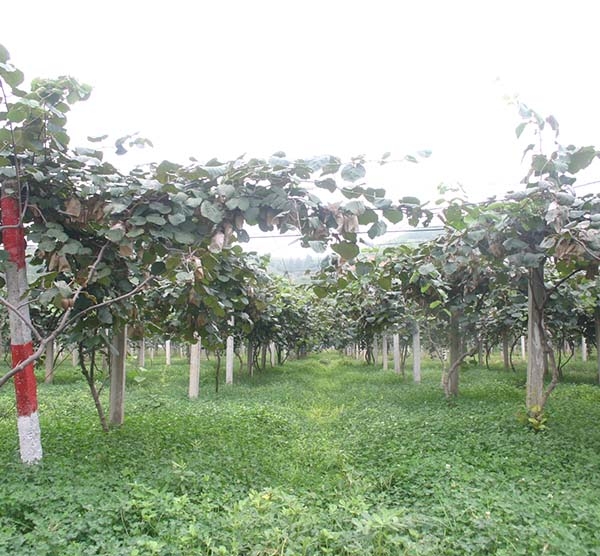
(321,456)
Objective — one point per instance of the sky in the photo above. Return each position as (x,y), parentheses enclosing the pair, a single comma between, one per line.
(223,78)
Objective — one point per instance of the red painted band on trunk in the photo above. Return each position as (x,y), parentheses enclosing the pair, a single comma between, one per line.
(25,383)
(13,238)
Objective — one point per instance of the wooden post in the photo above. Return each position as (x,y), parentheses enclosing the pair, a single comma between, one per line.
(416,338)
(21,346)
(118,372)
(396,339)
(49,366)
(194,385)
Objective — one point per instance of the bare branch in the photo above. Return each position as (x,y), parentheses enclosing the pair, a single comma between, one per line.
(25,321)
(131,293)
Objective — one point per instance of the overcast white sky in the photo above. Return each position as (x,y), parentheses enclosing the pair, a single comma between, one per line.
(227,77)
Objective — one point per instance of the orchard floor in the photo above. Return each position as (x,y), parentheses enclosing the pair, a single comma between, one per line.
(321,456)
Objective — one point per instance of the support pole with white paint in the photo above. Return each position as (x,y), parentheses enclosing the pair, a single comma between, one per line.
(194,385)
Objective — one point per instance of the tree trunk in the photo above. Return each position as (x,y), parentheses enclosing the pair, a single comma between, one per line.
(13,238)
(375,351)
(583,349)
(250,358)
(505,351)
(229,354)
(397,367)
(453,373)
(168,353)
(535,345)
(263,357)
(523,348)
(49,364)
(416,349)
(118,358)
(89,374)
(384,352)
(597,321)
(194,385)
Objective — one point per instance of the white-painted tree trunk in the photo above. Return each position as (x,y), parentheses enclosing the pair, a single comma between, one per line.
(416,349)
(523,348)
(584,351)
(168,353)
(49,365)
(396,339)
(118,372)
(21,346)
(142,353)
(384,352)
(75,357)
(194,386)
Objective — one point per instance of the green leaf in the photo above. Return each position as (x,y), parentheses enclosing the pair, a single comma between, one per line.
(514,244)
(346,249)
(211,211)
(355,207)
(410,201)
(184,237)
(435,304)
(4,54)
(553,123)
(176,219)
(353,172)
(17,113)
(97,139)
(377,229)
(318,246)
(158,268)
(581,159)
(328,183)
(520,128)
(320,292)
(156,219)
(11,75)
(368,217)
(427,268)
(166,170)
(393,215)
(385,282)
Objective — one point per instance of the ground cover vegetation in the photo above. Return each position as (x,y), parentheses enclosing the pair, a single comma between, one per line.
(320,455)
(325,455)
